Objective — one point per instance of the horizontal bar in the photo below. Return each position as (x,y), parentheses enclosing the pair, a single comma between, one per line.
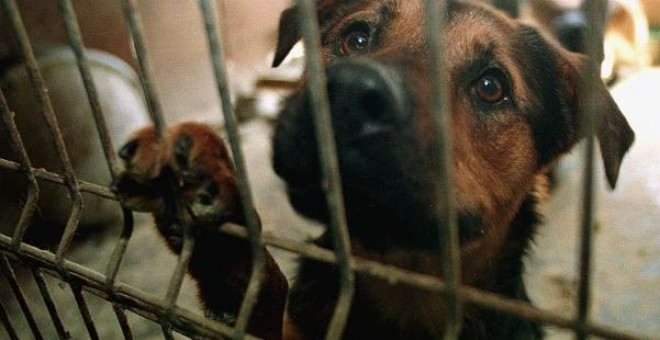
(146,304)
(52,177)
(16,142)
(127,295)
(395,275)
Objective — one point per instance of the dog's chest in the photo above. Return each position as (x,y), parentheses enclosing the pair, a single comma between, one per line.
(409,310)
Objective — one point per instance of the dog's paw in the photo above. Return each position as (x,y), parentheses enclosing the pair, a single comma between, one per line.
(205,175)
(188,171)
(141,186)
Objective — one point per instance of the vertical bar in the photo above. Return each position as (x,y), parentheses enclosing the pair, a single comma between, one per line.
(329,164)
(120,249)
(84,310)
(595,13)
(75,41)
(436,23)
(26,168)
(137,34)
(50,304)
(20,296)
(177,278)
(4,319)
(511,7)
(18,29)
(123,322)
(167,331)
(253,226)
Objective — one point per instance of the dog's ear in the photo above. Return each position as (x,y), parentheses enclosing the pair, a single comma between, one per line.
(289,34)
(612,129)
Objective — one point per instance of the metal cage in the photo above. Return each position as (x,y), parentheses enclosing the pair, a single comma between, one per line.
(163,309)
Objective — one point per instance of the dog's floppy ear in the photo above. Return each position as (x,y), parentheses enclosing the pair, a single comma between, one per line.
(612,129)
(289,34)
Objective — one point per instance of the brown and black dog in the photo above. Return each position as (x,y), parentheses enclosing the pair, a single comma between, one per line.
(514,111)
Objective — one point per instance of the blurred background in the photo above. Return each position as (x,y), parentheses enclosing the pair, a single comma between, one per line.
(627,242)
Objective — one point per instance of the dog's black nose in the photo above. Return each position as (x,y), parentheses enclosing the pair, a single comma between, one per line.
(366,98)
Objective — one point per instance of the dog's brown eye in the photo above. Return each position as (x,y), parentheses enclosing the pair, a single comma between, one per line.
(356,39)
(355,42)
(491,89)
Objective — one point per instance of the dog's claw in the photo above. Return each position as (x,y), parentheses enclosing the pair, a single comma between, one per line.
(128,150)
(182,148)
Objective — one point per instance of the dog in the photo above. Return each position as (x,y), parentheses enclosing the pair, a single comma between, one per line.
(514,111)
(625,31)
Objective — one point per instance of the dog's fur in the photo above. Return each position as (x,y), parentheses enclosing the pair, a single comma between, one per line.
(514,110)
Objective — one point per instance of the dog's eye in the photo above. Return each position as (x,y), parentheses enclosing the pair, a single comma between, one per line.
(491,87)
(356,39)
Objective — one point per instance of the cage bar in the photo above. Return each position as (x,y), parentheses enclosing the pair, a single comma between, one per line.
(74,36)
(76,288)
(20,295)
(595,11)
(446,212)
(50,303)
(173,318)
(231,125)
(123,321)
(134,299)
(136,30)
(25,48)
(25,168)
(329,164)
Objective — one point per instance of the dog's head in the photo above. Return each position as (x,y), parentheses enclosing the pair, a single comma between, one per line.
(514,109)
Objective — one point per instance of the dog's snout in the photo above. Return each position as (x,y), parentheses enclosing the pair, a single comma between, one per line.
(367,99)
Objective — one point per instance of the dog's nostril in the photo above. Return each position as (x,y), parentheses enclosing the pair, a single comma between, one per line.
(373,104)
(128,150)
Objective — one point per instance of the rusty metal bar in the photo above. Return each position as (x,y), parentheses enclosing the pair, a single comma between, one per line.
(25,167)
(595,11)
(511,7)
(43,174)
(152,307)
(6,321)
(123,321)
(50,303)
(329,164)
(446,212)
(139,43)
(76,42)
(430,283)
(38,83)
(213,32)
(127,295)
(177,278)
(120,249)
(20,296)
(76,288)
(167,331)
(74,36)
